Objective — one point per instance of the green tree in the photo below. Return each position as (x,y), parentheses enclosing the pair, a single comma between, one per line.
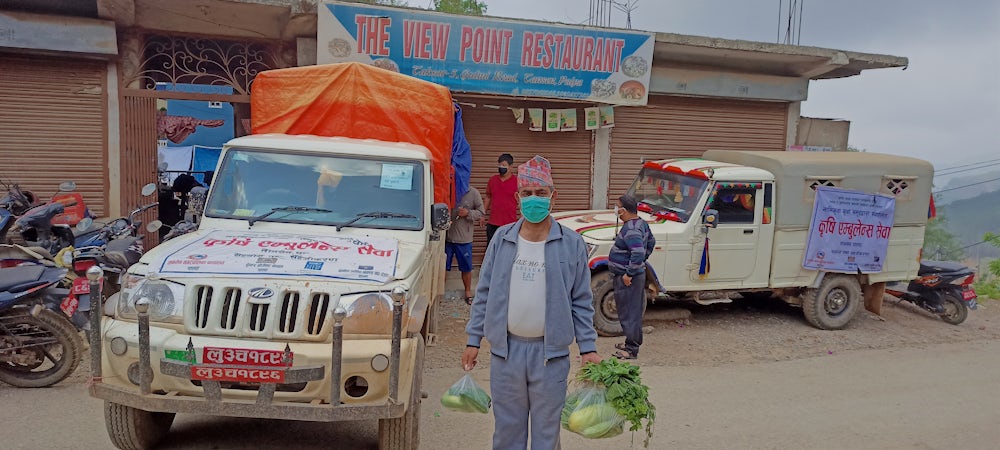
(939,243)
(987,284)
(466,7)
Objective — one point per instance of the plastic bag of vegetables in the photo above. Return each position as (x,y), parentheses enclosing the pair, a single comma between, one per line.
(622,391)
(588,413)
(466,396)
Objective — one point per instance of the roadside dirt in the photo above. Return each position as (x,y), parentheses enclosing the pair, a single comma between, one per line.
(754,331)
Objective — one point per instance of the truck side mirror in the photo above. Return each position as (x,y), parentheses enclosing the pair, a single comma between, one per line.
(710,219)
(440,217)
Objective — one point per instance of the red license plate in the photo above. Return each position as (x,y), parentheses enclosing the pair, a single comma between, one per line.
(244,356)
(238,374)
(968,294)
(81,286)
(70,304)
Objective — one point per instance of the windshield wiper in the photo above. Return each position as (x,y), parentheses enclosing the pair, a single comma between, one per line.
(253,220)
(376,215)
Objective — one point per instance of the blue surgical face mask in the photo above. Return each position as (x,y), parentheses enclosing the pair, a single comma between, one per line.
(534,208)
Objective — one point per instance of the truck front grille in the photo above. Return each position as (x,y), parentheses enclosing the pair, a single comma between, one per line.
(226,311)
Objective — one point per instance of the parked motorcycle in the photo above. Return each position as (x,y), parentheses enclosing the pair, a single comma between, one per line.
(38,346)
(15,200)
(14,203)
(943,288)
(114,246)
(45,226)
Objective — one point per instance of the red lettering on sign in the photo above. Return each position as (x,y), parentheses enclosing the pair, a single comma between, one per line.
(527,50)
(373,35)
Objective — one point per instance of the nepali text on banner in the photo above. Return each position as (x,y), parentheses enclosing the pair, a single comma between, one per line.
(849,231)
(494,56)
(252,253)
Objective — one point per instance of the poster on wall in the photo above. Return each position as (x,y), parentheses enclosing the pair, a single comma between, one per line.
(491,55)
(591,118)
(607,117)
(849,231)
(567,120)
(552,119)
(537,117)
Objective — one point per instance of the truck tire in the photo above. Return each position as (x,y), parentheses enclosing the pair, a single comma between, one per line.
(605,311)
(134,429)
(403,433)
(955,311)
(834,304)
(66,351)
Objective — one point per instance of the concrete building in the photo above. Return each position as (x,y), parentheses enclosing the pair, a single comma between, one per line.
(78,90)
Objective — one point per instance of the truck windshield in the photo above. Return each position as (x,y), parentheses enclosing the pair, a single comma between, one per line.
(666,192)
(318,189)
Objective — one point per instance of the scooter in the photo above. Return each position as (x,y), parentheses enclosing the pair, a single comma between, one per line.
(38,346)
(941,287)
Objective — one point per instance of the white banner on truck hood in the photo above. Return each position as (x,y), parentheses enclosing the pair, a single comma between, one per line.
(268,254)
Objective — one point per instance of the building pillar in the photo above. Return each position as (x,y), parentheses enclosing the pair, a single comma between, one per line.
(114,155)
(791,132)
(601,169)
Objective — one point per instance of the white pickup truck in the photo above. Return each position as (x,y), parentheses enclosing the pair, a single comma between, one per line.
(756,208)
(308,290)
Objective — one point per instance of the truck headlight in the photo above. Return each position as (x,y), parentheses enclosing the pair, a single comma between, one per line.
(166,297)
(369,313)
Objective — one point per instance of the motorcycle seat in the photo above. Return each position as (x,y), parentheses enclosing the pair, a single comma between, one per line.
(18,279)
(932,267)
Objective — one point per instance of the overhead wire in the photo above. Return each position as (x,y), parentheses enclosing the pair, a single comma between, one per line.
(970,164)
(965,186)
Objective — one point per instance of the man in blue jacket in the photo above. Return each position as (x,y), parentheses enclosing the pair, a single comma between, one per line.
(627,261)
(532,300)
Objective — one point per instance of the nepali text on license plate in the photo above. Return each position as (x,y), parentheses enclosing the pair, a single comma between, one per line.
(246,357)
(238,374)
(968,294)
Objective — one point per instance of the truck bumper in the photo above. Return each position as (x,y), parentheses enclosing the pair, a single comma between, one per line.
(312,375)
(314,412)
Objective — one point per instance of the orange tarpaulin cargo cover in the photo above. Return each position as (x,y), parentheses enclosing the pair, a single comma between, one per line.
(362,102)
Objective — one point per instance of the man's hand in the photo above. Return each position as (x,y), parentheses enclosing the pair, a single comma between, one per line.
(462,212)
(627,279)
(469,358)
(590,358)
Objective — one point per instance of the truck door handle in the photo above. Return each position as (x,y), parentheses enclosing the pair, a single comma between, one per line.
(748,231)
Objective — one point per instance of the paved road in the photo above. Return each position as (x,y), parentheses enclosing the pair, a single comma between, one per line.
(943,396)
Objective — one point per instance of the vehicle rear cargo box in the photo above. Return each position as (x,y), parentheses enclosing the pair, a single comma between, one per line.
(797,173)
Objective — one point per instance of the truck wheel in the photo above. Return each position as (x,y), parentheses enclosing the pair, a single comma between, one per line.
(955,310)
(605,311)
(43,365)
(134,429)
(403,433)
(834,304)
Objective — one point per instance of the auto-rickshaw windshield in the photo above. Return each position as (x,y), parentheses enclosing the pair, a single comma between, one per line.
(668,192)
(321,189)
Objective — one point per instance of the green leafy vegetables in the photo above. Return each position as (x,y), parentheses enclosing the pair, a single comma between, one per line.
(625,392)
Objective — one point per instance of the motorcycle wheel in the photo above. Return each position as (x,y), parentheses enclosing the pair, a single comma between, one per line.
(955,311)
(51,361)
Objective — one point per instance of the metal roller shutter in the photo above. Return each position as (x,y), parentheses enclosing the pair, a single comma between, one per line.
(678,127)
(493,131)
(52,126)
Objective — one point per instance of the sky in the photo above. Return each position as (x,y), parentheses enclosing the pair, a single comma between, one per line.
(945,107)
